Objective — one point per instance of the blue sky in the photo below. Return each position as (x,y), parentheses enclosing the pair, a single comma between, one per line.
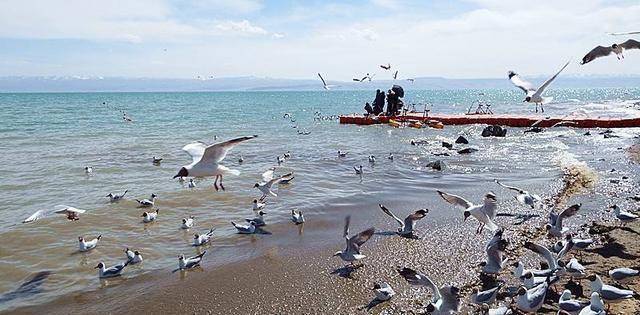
(296,39)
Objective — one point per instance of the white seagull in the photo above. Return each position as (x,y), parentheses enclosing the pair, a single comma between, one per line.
(201,239)
(623,216)
(84,246)
(191,183)
(297,217)
(383,291)
(534,95)
(115,197)
(523,196)
(484,213)
(258,219)
(544,253)
(248,228)
(187,223)
(189,262)
(266,187)
(621,274)
(71,213)
(486,296)
(133,257)
(342,154)
(595,308)
(569,305)
(150,216)
(408,224)
(324,83)
(446,300)
(495,254)
(206,160)
(112,271)
(147,202)
(88,170)
(530,300)
(618,49)
(358,170)
(608,292)
(554,227)
(352,252)
(257,206)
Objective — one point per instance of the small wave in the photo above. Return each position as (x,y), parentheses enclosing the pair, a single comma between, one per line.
(577,177)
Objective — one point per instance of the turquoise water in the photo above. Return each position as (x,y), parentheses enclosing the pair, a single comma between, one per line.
(47,139)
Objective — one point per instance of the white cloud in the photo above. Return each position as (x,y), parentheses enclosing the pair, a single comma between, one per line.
(387,4)
(277,35)
(235,6)
(243,27)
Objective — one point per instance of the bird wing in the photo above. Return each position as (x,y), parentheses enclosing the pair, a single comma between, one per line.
(389,213)
(410,219)
(274,181)
(536,295)
(630,44)
(543,252)
(553,217)
(509,187)
(455,200)
(569,212)
(268,175)
(37,215)
(195,150)
(215,153)
(597,52)
(357,80)
(546,83)
(526,86)
(395,75)
(347,220)
(360,238)
(624,33)
(321,78)
(67,209)
(416,278)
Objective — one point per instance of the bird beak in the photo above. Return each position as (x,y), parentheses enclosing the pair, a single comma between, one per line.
(96,267)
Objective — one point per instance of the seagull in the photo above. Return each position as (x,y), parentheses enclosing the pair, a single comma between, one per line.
(324,83)
(574,268)
(352,252)
(241,160)
(342,154)
(287,155)
(624,33)
(595,308)
(387,67)
(544,253)
(395,75)
(297,217)
(358,170)
(617,49)
(408,224)
(608,292)
(206,160)
(85,246)
(530,281)
(523,196)
(445,300)
(150,216)
(112,271)
(249,228)
(71,213)
(189,262)
(519,271)
(287,178)
(554,227)
(257,206)
(569,305)
(484,213)
(534,95)
(88,170)
(191,183)
(485,297)
(372,159)
(390,157)
(383,291)
(201,239)
(187,223)
(280,160)
(266,186)
(156,160)
(501,310)
(115,197)
(411,80)
(133,257)
(622,215)
(147,202)
(495,254)
(620,274)
(530,300)
(259,219)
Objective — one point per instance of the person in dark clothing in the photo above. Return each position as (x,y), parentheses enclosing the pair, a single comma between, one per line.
(378,104)
(391,103)
(368,108)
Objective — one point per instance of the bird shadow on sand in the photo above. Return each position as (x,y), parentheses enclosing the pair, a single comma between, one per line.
(393,233)
(522,217)
(613,249)
(27,288)
(346,271)
(372,304)
(262,231)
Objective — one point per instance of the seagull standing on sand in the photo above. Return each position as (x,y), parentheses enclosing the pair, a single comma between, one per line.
(534,95)
(623,216)
(554,227)
(484,213)
(85,246)
(201,239)
(409,223)
(110,272)
(621,274)
(495,254)
(523,196)
(569,305)
(187,223)
(190,262)
(383,291)
(150,216)
(115,197)
(145,203)
(73,214)
(206,160)
(530,300)
(446,300)
(595,308)
(609,293)
(485,297)
(352,252)
(617,49)
(297,217)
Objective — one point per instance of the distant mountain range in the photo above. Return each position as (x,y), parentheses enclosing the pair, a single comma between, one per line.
(250,83)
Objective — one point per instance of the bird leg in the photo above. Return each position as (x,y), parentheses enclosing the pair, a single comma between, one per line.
(221,186)
(536,107)
(542,108)
(215,183)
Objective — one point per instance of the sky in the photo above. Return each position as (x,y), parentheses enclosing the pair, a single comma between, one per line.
(297,39)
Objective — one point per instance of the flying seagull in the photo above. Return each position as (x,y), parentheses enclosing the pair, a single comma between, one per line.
(618,49)
(484,213)
(71,213)
(352,252)
(324,83)
(408,224)
(534,95)
(523,196)
(554,227)
(207,158)
(395,75)
(386,67)
(445,299)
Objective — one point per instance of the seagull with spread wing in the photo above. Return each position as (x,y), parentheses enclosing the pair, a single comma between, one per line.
(268,181)
(446,299)
(618,49)
(554,227)
(534,95)
(409,223)
(71,213)
(207,158)
(324,83)
(352,252)
(523,196)
(484,213)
